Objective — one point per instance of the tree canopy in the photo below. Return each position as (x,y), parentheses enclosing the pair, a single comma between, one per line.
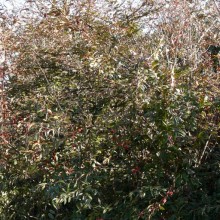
(110,110)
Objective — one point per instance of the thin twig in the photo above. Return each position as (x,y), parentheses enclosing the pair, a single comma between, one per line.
(204,150)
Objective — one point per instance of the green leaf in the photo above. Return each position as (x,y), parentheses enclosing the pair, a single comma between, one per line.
(51,216)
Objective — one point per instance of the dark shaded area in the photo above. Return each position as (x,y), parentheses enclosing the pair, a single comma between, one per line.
(214,50)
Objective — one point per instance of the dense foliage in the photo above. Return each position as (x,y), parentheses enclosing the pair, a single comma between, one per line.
(109,111)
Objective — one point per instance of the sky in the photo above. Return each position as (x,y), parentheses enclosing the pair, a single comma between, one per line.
(10,4)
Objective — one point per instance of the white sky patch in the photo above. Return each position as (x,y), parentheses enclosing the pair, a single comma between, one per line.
(11,4)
